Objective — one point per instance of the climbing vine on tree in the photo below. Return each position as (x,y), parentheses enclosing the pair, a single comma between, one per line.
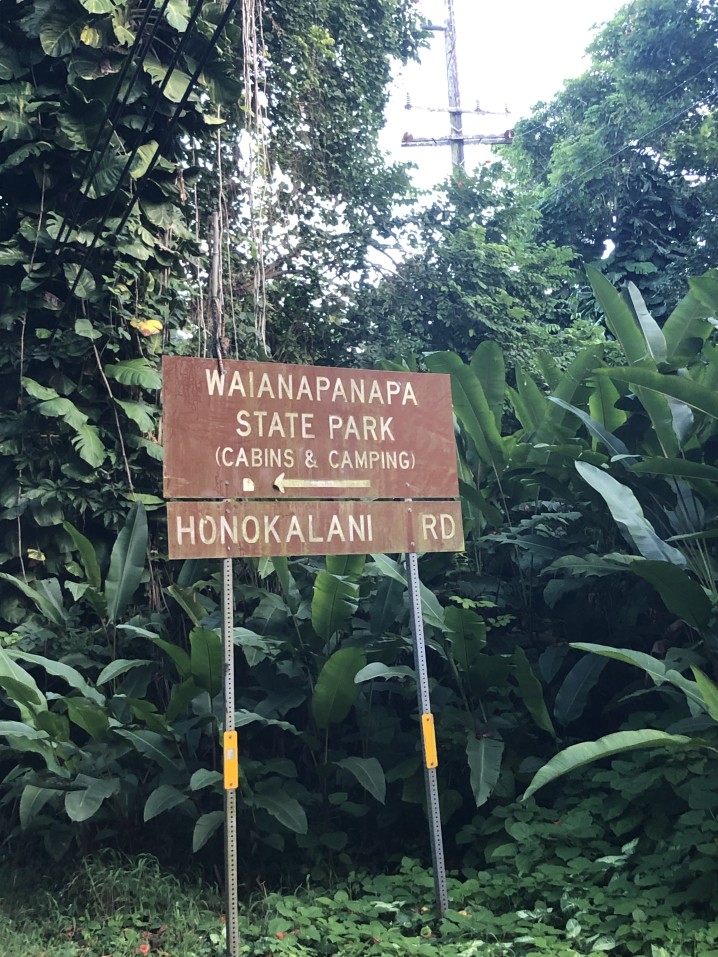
(97,104)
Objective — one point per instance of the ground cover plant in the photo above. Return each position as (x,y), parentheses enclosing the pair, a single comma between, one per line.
(115,907)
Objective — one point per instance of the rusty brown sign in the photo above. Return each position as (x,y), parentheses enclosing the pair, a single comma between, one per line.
(250,529)
(270,430)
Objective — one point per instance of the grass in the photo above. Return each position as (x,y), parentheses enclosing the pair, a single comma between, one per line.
(113,907)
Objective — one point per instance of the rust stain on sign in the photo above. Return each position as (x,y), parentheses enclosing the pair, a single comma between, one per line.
(270,430)
(251,529)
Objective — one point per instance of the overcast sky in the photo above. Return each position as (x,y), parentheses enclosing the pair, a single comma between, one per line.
(511,55)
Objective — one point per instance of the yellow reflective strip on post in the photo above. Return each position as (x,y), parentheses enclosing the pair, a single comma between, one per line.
(431,757)
(231,761)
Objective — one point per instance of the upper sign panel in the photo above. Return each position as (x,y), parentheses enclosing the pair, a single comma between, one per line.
(270,430)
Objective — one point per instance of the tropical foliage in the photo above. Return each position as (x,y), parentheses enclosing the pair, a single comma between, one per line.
(624,155)
(574,639)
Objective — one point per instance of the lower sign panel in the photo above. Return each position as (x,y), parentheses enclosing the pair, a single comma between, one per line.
(228,529)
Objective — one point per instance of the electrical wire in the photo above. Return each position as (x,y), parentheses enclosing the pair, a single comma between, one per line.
(678,86)
(632,142)
(140,39)
(138,141)
(176,115)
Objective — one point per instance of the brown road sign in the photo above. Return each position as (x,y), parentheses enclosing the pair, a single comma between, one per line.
(270,430)
(250,529)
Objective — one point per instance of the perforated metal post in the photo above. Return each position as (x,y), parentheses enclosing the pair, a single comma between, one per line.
(230,793)
(429,743)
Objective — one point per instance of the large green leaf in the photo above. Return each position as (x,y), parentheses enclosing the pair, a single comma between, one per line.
(282,806)
(369,773)
(89,716)
(346,565)
(177,654)
(554,413)
(62,408)
(98,6)
(532,407)
(655,669)
(127,562)
(471,407)
(679,592)
(575,688)
(186,598)
(137,372)
(89,446)
(655,340)
(705,289)
(687,328)
(88,556)
(613,444)
(619,318)
(467,635)
(628,515)
(177,13)
(206,660)
(679,468)
(18,729)
(152,745)
(174,84)
(244,717)
(334,601)
(140,413)
(87,796)
(602,404)
(80,281)
(204,778)
(387,606)
(678,387)
(163,798)
(708,690)
(120,666)
(61,30)
(183,694)
(47,606)
(335,691)
(32,800)
(531,691)
(431,610)
(205,827)
(622,324)
(484,756)
(377,669)
(586,752)
(143,159)
(487,363)
(60,670)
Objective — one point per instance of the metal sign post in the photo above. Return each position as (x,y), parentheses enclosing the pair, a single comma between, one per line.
(326,452)
(231,761)
(428,738)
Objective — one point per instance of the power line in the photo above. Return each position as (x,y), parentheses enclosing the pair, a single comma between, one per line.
(605,126)
(138,141)
(632,142)
(139,38)
(180,107)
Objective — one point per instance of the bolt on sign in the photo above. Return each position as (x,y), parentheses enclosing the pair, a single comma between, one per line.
(270,430)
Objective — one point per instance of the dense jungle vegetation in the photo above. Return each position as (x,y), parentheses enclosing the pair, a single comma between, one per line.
(568,288)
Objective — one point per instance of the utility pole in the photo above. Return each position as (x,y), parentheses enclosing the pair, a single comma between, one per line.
(456,119)
(456,139)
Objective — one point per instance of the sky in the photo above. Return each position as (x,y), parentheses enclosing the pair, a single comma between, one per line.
(511,54)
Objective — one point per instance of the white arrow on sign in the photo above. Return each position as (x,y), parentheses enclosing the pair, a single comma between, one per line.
(281,483)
